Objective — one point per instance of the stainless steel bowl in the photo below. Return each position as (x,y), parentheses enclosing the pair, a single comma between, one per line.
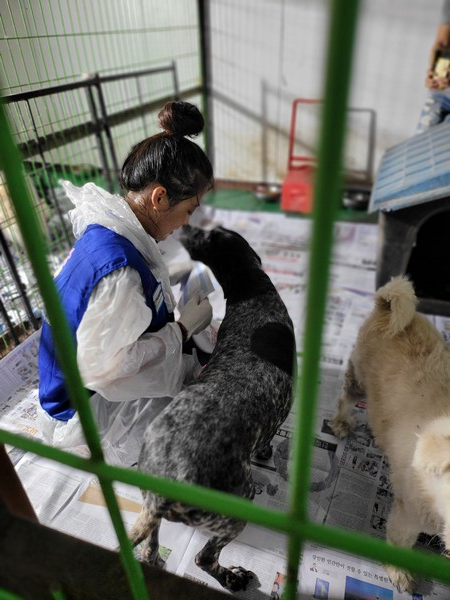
(268,192)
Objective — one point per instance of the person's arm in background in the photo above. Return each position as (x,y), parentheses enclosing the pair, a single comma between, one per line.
(441,41)
(12,492)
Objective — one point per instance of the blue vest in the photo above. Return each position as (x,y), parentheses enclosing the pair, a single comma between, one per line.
(96,254)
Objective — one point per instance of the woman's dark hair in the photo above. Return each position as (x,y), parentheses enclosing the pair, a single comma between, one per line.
(170,158)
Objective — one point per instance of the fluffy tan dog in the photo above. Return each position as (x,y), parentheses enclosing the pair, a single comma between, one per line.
(402,366)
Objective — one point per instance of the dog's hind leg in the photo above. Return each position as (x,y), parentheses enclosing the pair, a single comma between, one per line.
(147,526)
(231,578)
(401,530)
(150,553)
(352,391)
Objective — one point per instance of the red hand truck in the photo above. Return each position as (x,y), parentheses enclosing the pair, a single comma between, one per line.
(298,185)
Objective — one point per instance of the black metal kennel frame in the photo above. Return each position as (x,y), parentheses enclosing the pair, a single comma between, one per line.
(294,523)
(39,141)
(101,120)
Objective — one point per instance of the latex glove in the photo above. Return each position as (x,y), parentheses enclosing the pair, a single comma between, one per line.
(195,315)
(178,271)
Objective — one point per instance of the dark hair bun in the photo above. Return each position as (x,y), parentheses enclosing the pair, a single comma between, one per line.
(181,118)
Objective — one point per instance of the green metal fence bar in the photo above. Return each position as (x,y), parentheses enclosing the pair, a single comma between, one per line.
(326,201)
(212,500)
(58,595)
(343,19)
(4,595)
(10,163)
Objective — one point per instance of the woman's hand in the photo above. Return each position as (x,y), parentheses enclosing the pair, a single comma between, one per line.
(195,316)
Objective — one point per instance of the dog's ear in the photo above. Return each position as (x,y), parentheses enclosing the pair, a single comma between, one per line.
(432,454)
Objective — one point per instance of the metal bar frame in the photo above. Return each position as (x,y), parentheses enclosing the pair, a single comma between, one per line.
(18,282)
(96,125)
(204,19)
(100,126)
(44,162)
(9,323)
(85,82)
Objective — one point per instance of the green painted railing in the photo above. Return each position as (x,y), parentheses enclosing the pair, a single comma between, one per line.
(294,523)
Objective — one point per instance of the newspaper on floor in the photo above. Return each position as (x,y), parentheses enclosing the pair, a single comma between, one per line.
(264,565)
(71,501)
(329,574)
(349,478)
(18,382)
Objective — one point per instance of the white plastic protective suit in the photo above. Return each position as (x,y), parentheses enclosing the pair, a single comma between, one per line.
(115,357)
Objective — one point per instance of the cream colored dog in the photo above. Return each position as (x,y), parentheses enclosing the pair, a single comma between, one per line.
(402,366)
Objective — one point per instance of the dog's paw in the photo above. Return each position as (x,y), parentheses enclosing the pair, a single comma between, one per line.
(342,427)
(264,453)
(237,579)
(148,554)
(402,580)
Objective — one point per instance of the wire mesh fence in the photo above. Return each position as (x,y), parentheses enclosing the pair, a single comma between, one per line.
(71,124)
(73,133)
(69,154)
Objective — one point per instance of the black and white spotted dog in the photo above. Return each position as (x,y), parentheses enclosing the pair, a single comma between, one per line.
(210,430)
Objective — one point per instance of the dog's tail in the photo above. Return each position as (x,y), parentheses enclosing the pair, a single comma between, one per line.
(396,304)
